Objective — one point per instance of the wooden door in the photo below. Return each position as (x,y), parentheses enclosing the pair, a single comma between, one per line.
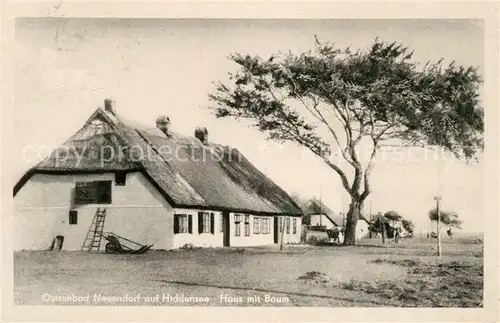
(226,229)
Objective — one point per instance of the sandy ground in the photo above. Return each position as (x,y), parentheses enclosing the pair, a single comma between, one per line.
(262,276)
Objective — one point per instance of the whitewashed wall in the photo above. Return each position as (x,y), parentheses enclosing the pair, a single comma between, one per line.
(362,230)
(290,237)
(254,239)
(217,238)
(138,212)
(195,238)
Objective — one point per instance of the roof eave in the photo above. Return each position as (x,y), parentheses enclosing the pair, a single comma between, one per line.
(237,210)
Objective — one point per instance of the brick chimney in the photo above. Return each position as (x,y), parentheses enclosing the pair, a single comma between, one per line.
(109,106)
(202,134)
(163,123)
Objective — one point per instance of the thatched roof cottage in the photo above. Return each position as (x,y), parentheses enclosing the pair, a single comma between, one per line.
(318,214)
(154,187)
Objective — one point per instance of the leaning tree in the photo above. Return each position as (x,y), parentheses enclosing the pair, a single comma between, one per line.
(339,103)
(448,218)
(408,226)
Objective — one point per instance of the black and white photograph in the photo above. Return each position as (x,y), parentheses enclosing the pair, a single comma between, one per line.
(202,162)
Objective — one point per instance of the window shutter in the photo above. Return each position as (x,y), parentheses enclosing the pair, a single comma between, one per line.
(81,194)
(212,222)
(200,222)
(176,224)
(96,192)
(190,223)
(104,192)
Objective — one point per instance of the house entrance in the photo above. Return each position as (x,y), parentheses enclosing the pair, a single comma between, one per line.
(226,229)
(57,243)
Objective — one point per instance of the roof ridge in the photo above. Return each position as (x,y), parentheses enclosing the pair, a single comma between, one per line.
(148,128)
(229,181)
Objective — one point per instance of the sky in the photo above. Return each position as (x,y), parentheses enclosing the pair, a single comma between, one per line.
(150,67)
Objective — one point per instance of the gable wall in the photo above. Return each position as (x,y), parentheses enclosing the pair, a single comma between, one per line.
(137,212)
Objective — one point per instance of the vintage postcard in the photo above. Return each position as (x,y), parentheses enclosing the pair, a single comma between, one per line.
(214,165)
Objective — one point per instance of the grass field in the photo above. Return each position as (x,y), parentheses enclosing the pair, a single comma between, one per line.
(371,274)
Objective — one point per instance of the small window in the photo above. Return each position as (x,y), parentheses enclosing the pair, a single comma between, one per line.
(221,222)
(120,178)
(205,222)
(281,224)
(96,192)
(265,226)
(256,225)
(73,217)
(247,225)
(183,223)
(294,228)
(287,225)
(237,225)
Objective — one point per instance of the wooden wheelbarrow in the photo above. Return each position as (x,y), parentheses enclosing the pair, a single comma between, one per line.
(118,244)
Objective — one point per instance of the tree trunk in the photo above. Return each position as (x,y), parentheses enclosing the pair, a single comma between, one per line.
(351,221)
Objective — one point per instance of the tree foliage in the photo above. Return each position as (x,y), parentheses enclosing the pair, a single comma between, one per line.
(393,216)
(450,219)
(331,99)
(387,218)
(408,226)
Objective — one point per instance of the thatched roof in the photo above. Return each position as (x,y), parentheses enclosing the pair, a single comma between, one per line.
(187,172)
(314,206)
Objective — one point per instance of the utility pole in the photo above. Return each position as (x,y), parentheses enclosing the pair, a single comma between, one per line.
(320,209)
(437,199)
(282,231)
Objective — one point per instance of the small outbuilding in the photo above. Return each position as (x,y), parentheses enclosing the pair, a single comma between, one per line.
(319,215)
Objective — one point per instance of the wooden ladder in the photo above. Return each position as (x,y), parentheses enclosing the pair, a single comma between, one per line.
(94,234)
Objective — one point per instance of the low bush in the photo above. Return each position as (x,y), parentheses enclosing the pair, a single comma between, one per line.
(447,284)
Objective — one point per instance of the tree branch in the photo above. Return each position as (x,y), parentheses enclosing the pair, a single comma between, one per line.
(318,115)
(296,136)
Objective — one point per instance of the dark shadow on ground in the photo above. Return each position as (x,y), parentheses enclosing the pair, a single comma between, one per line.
(272,291)
(378,245)
(325,244)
